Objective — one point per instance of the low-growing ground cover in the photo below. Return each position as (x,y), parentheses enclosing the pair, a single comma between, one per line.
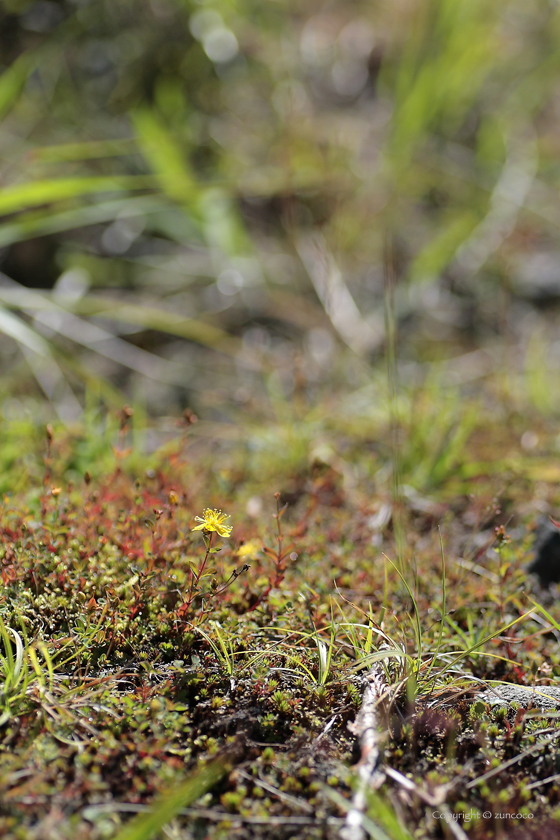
(187,631)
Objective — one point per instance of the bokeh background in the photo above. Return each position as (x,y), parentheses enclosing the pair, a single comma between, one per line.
(259,210)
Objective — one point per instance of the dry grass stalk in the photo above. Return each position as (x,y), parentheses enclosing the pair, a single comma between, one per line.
(366,728)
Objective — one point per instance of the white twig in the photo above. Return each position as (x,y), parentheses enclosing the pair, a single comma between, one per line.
(326,729)
(333,292)
(366,729)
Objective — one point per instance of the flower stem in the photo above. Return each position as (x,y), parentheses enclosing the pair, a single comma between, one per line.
(197,575)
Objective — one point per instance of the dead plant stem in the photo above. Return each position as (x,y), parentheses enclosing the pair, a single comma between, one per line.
(366,728)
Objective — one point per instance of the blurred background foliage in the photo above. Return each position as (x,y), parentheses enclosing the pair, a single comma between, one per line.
(225,204)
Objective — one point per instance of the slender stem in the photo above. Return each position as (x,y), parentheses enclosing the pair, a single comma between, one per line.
(390,282)
(202,567)
(198,574)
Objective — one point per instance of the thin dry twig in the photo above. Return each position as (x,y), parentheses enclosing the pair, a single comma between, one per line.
(286,797)
(453,826)
(366,729)
(93,811)
(326,728)
(336,298)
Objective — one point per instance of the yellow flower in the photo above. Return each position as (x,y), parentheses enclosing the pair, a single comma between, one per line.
(249,549)
(213,520)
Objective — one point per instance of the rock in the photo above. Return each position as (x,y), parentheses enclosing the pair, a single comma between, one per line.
(544,697)
(546,562)
(537,275)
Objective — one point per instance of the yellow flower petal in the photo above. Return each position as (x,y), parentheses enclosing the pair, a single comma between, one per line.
(249,549)
(213,520)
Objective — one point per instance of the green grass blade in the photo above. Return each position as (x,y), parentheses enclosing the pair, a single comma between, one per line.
(145,317)
(443,606)
(458,630)
(89,150)
(40,671)
(37,667)
(20,197)
(369,636)
(147,826)
(381,809)
(417,621)
(323,654)
(227,649)
(43,222)
(380,656)
(12,82)
(20,655)
(546,614)
(8,659)
(17,329)
(219,649)
(479,644)
(166,157)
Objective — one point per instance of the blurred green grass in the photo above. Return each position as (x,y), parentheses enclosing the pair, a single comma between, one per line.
(196,199)
(331,230)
